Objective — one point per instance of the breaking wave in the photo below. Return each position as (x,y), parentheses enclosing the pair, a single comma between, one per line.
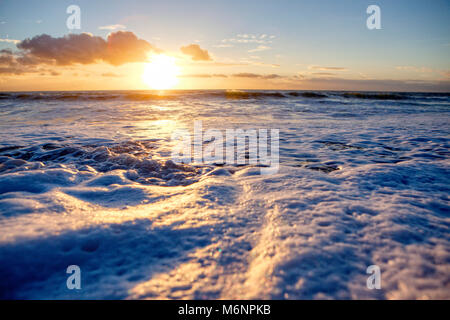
(225,94)
(133,157)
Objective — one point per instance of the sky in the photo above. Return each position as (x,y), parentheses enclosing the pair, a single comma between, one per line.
(304,45)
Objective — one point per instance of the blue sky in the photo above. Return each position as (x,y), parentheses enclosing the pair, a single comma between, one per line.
(413,44)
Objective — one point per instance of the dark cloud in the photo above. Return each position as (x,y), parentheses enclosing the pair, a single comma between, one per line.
(196,53)
(246,75)
(324,74)
(6,57)
(257,76)
(120,47)
(272,76)
(326,81)
(67,50)
(16,63)
(11,71)
(374,84)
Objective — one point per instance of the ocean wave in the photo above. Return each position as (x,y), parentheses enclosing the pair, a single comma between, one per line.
(307,94)
(374,96)
(133,157)
(91,183)
(225,94)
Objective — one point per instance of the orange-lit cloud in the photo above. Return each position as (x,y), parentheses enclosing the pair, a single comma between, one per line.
(321,68)
(112,27)
(118,48)
(323,74)
(111,75)
(247,75)
(204,75)
(196,53)
(255,75)
(10,41)
(17,64)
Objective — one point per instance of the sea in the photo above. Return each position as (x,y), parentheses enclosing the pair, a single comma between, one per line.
(88,179)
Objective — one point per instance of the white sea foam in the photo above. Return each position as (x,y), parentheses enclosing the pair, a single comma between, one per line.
(362,181)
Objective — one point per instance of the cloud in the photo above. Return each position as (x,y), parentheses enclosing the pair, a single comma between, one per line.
(259,48)
(12,64)
(246,75)
(119,48)
(6,56)
(235,75)
(125,46)
(10,41)
(327,68)
(415,69)
(250,38)
(196,53)
(112,27)
(223,63)
(224,45)
(18,64)
(263,64)
(331,81)
(272,76)
(257,76)
(111,75)
(204,75)
(324,74)
(11,71)
(445,74)
(339,83)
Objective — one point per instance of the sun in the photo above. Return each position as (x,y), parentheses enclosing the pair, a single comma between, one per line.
(161,72)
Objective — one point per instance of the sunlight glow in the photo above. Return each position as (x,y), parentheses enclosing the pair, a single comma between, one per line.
(161,72)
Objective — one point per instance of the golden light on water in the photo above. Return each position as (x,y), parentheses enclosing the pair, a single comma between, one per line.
(161,72)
